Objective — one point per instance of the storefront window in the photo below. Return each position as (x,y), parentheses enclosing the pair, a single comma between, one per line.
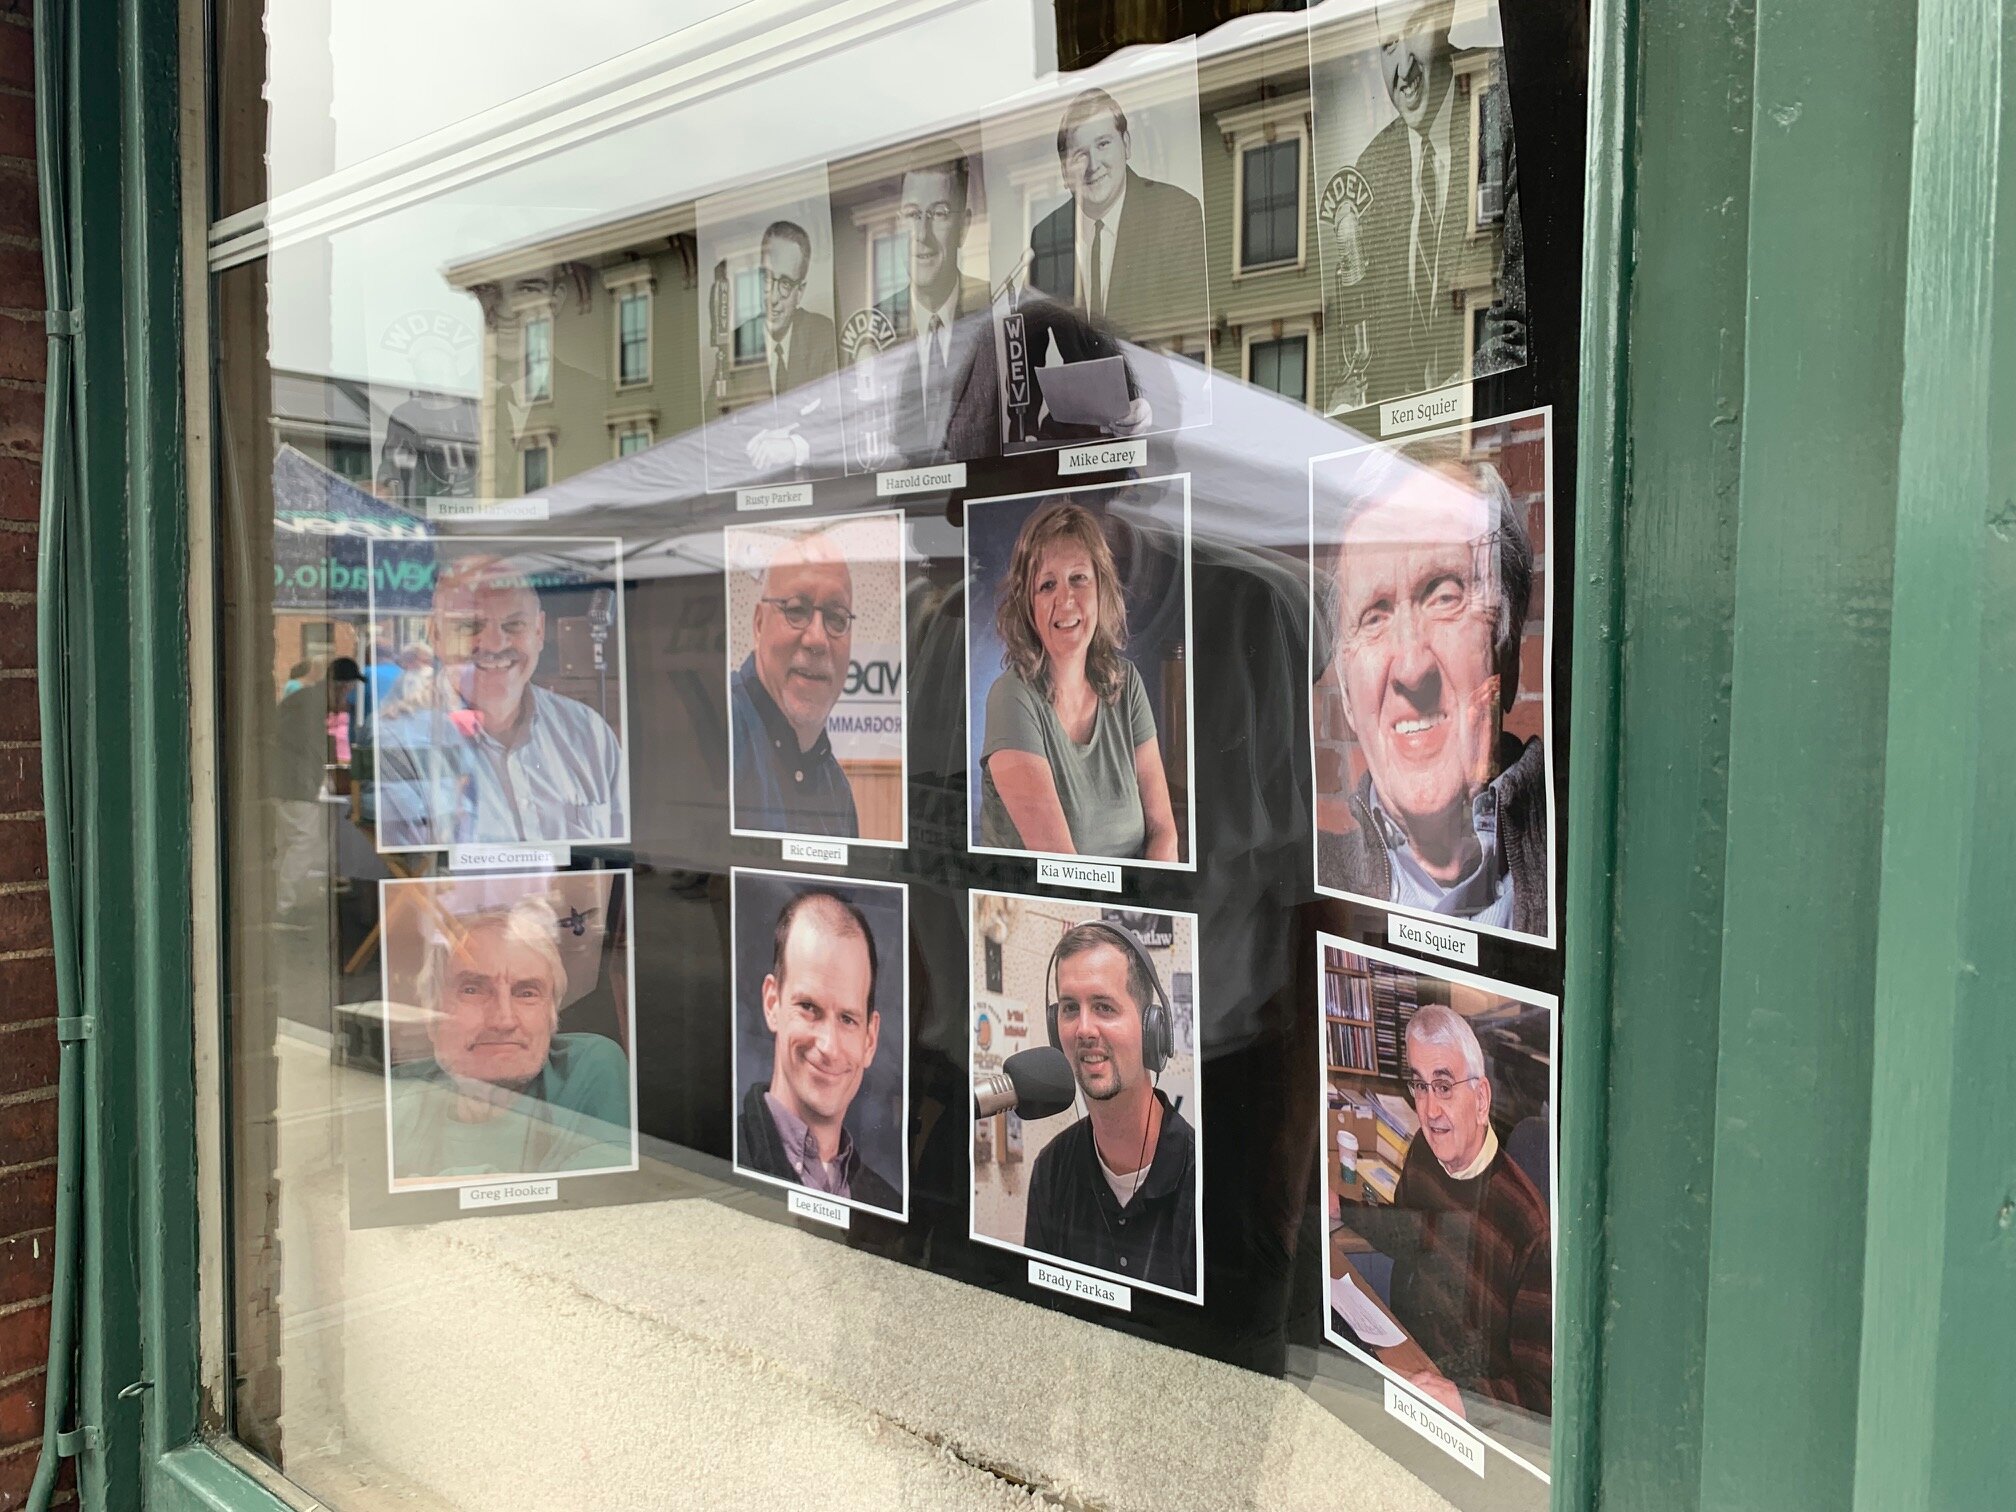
(879,821)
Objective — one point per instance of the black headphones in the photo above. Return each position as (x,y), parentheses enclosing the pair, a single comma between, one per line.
(1158,1039)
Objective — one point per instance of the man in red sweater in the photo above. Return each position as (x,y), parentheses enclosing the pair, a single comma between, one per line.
(1473,1280)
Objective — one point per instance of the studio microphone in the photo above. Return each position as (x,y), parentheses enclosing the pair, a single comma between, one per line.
(1033,1083)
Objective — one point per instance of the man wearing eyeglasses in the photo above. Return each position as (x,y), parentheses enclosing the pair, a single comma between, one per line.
(786,777)
(943,375)
(1468,1232)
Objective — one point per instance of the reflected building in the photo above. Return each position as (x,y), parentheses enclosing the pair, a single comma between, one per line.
(591,335)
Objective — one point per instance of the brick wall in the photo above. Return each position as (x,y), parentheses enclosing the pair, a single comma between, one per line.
(27,975)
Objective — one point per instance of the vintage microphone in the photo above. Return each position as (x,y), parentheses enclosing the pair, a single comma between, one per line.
(601,612)
(1031,1083)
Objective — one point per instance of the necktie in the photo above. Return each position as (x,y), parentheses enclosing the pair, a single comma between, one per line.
(1428,229)
(1095,297)
(776,367)
(935,397)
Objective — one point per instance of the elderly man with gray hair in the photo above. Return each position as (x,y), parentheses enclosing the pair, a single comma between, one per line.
(1428,579)
(1472,1247)
(504,1093)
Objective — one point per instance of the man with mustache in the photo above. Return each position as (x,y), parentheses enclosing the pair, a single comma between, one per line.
(819,1006)
(504,1092)
(786,777)
(495,759)
(1117,1191)
(1429,582)
(1468,1232)
(1412,215)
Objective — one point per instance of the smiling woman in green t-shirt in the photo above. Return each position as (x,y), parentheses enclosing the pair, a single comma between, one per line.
(1070,762)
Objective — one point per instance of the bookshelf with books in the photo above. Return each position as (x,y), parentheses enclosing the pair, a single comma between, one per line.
(1366,1007)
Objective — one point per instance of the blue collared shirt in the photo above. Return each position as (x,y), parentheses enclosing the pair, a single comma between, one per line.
(780,789)
(1482,895)
(445,780)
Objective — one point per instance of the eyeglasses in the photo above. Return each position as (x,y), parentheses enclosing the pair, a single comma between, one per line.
(785,286)
(1442,1087)
(940,215)
(798,614)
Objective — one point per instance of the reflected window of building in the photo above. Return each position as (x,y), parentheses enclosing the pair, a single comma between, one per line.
(633,338)
(538,465)
(891,258)
(748,316)
(539,358)
(1270,226)
(1280,365)
(631,439)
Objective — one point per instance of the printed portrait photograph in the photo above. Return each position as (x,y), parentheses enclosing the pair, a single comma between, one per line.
(509,1021)
(816,636)
(769,344)
(1091,1010)
(1417,185)
(919,383)
(1430,663)
(821,1043)
(1078,688)
(1438,1158)
(1096,237)
(496,694)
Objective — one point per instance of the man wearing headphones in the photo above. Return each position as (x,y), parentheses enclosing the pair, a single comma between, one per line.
(1117,1191)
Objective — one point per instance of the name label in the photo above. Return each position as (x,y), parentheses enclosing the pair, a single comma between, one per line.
(820,852)
(1436,939)
(1102,456)
(487,509)
(819,1209)
(1443,407)
(510,857)
(777,496)
(920,479)
(1459,1444)
(510,1193)
(1078,874)
(1086,1288)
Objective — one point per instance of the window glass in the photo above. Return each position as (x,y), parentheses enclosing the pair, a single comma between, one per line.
(842,879)
(1272,227)
(633,320)
(1281,367)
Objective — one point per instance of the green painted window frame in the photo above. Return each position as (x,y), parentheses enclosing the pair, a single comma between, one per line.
(1678,1387)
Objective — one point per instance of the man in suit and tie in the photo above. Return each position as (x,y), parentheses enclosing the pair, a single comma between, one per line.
(797,344)
(798,349)
(1125,250)
(1411,220)
(942,371)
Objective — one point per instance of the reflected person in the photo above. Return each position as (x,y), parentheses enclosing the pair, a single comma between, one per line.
(819,1006)
(495,759)
(786,778)
(798,348)
(504,1092)
(1432,571)
(1071,762)
(1117,1191)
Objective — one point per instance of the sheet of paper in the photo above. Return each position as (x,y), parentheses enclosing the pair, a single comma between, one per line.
(1364,1315)
(1093,392)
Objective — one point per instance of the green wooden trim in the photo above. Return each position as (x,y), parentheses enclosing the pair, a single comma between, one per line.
(128,678)
(1830,126)
(1592,757)
(1685,326)
(1938,1315)
(196,1478)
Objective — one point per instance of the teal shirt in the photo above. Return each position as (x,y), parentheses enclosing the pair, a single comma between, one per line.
(575,1116)
(1095,781)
